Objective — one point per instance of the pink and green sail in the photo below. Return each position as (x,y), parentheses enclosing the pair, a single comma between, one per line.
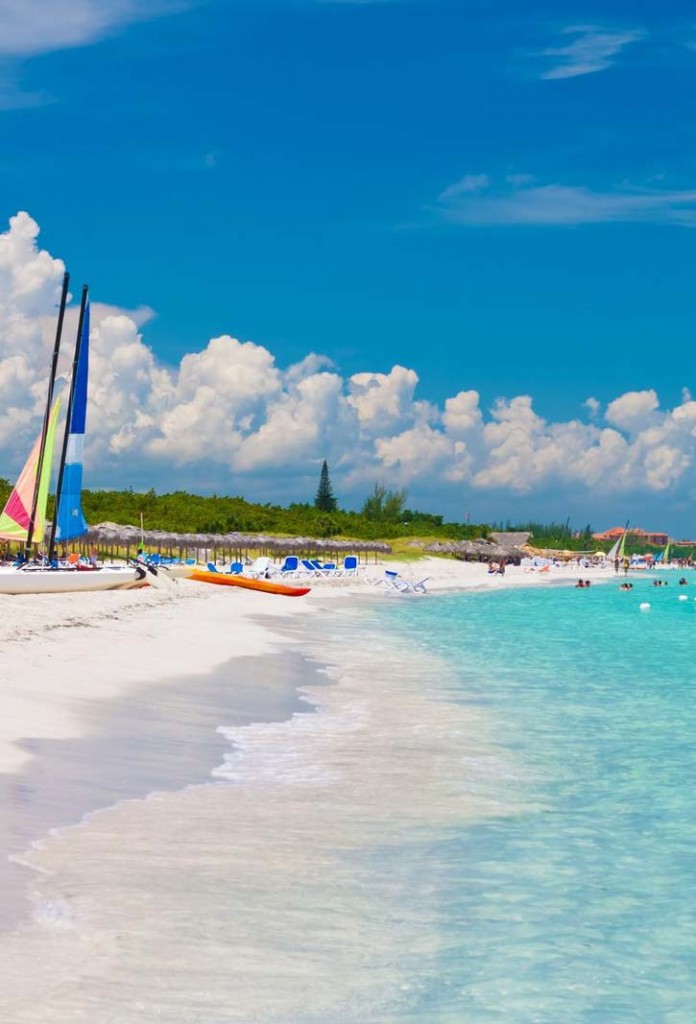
(16,516)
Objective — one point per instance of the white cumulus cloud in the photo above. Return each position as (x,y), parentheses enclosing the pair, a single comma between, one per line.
(229,414)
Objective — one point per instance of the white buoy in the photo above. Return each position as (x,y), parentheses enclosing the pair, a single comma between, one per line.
(683,597)
(645,606)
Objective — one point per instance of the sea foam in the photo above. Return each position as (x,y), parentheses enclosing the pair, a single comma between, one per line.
(298,886)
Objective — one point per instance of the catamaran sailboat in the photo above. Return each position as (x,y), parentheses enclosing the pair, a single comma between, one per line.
(24,517)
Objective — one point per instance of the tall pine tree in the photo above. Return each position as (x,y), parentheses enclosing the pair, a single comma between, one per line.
(325,498)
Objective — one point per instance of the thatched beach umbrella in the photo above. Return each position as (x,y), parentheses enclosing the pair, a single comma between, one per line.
(476,550)
(118,536)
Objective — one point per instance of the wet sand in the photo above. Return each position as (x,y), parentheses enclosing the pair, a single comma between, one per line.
(136,745)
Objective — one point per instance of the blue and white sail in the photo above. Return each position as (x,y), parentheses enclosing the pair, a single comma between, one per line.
(71,522)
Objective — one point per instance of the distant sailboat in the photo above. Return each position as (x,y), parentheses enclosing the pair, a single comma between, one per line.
(663,557)
(618,549)
(613,552)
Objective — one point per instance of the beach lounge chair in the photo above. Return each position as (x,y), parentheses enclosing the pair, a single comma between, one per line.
(311,567)
(411,587)
(235,568)
(290,565)
(328,569)
(388,580)
(261,567)
(393,581)
(350,566)
(211,567)
(374,581)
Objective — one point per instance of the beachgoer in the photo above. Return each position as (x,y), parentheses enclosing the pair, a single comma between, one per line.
(616,565)
(580,584)
(501,567)
(588,582)
(683,582)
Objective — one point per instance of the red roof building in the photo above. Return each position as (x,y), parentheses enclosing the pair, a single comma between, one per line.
(647,536)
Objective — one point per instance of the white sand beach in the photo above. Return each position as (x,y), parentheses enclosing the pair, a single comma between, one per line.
(60,650)
(109,697)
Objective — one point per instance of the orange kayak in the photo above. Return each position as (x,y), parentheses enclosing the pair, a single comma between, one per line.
(227,579)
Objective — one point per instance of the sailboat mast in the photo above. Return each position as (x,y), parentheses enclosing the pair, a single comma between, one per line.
(49,402)
(68,421)
(622,549)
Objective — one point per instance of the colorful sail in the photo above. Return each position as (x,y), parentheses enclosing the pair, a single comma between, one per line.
(663,556)
(16,516)
(71,521)
(614,552)
(622,549)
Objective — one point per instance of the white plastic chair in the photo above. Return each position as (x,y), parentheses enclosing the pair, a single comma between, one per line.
(409,587)
(260,567)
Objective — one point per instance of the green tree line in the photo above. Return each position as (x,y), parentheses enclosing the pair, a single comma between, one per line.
(383,515)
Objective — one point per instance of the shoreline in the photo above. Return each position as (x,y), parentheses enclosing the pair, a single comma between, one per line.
(272,808)
(294,837)
(86,673)
(66,655)
(133,748)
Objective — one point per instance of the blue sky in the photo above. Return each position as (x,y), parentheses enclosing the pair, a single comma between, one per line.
(500,197)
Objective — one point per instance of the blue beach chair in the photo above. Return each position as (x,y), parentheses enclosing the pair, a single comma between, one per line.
(310,567)
(350,565)
(328,569)
(290,565)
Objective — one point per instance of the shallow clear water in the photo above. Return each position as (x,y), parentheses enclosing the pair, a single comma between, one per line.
(488,818)
(584,908)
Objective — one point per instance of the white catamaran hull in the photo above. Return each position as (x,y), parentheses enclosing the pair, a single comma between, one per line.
(67,581)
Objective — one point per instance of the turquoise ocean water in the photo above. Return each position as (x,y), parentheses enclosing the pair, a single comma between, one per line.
(488,818)
(580,904)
